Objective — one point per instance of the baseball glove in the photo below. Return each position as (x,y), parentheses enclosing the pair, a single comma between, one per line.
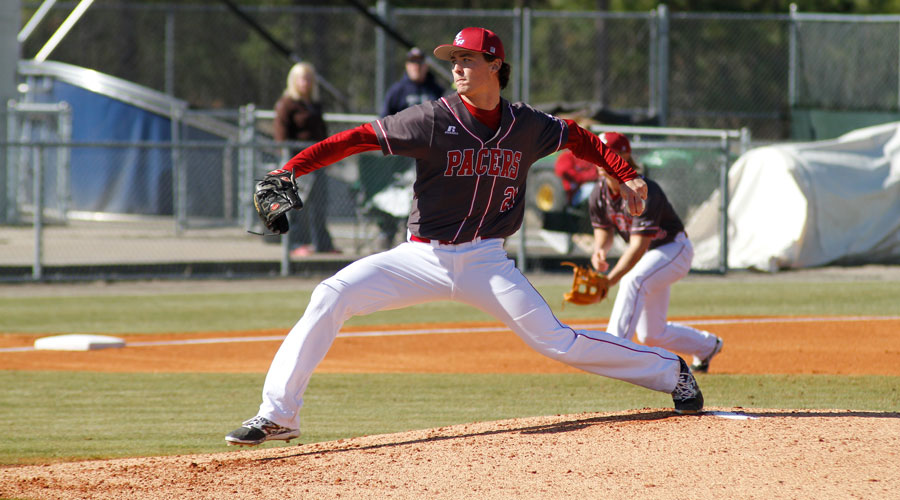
(273,197)
(588,287)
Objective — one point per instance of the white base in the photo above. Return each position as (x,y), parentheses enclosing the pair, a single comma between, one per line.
(77,342)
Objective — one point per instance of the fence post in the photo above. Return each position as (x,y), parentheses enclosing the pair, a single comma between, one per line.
(228,185)
(517,26)
(792,58)
(63,155)
(179,177)
(745,140)
(723,188)
(245,164)
(652,64)
(169,53)
(381,59)
(662,79)
(37,269)
(10,208)
(525,76)
(285,243)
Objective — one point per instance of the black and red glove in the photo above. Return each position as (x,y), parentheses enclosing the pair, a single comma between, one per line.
(273,197)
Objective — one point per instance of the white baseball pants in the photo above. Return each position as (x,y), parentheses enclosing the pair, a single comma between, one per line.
(478,273)
(642,302)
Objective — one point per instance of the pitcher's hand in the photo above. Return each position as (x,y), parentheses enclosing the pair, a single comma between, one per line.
(634,192)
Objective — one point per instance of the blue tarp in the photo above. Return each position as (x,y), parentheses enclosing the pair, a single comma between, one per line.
(128,180)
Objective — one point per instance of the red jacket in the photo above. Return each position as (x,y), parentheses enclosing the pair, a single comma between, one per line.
(574,172)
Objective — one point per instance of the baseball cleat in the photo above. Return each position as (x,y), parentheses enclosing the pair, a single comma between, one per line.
(258,430)
(687,396)
(702,365)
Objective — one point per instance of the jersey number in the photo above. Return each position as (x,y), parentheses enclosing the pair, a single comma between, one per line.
(509,195)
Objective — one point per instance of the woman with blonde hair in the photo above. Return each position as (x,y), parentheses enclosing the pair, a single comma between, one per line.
(298,117)
(302,83)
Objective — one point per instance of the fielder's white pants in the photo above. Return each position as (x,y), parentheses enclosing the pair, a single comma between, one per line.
(642,302)
(478,273)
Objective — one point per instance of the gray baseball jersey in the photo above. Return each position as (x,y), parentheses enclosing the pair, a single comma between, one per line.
(470,180)
(658,220)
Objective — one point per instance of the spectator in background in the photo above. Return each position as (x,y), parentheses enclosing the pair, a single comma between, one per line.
(298,117)
(577,175)
(418,85)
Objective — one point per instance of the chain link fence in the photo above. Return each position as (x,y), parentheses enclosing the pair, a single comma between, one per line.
(180,204)
(111,210)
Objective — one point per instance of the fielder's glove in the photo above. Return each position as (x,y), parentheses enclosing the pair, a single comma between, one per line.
(588,287)
(273,197)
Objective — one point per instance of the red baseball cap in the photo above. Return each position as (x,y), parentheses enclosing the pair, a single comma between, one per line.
(475,39)
(616,141)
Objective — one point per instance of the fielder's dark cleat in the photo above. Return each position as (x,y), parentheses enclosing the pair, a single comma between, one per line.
(687,395)
(259,430)
(702,365)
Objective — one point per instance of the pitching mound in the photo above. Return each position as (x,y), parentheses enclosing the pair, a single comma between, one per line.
(643,454)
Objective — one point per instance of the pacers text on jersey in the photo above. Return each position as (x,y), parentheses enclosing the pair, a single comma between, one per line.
(495,162)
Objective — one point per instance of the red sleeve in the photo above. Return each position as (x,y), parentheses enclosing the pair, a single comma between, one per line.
(331,150)
(588,146)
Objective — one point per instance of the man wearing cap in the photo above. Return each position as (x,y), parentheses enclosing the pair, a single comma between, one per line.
(473,150)
(418,85)
(658,254)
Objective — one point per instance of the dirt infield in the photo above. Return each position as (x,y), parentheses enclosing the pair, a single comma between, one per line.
(752,346)
(641,454)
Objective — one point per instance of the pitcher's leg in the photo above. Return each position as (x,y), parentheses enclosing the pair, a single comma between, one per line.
(397,278)
(301,351)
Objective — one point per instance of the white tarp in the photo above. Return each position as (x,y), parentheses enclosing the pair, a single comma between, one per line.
(808,204)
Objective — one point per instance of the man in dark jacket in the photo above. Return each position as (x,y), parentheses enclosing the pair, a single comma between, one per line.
(416,87)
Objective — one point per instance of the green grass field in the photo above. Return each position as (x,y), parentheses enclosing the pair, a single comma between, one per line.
(53,416)
(243,310)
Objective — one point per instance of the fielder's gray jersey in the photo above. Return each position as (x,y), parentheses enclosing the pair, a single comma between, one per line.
(658,220)
(470,180)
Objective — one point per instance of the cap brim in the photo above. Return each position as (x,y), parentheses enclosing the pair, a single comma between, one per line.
(442,52)
(445,52)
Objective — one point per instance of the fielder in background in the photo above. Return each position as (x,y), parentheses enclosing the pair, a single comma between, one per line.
(658,254)
(473,150)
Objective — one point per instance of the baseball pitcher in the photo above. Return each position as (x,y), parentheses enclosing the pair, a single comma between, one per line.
(472,151)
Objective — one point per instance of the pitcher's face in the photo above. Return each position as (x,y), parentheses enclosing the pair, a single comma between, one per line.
(472,74)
